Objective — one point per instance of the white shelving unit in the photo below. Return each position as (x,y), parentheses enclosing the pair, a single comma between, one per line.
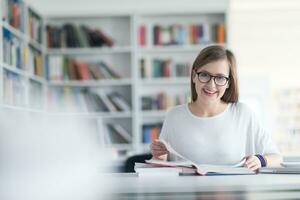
(119,57)
(125,58)
(20,86)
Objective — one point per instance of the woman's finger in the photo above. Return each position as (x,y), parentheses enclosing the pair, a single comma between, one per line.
(249,160)
(252,164)
(158,153)
(254,168)
(158,147)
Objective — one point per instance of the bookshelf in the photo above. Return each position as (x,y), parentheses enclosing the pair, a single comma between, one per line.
(167,44)
(21,62)
(107,79)
(125,70)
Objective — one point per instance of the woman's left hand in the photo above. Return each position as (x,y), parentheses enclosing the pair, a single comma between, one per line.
(252,162)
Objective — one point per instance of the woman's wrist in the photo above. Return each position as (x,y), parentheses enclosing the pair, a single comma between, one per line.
(262,160)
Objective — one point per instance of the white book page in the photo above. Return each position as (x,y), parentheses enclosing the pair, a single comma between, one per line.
(203,169)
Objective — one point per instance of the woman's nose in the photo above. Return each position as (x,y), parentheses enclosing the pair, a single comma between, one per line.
(211,82)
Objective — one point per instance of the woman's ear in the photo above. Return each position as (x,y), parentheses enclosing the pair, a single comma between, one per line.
(194,75)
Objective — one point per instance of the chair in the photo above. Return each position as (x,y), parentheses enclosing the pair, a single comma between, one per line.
(129,163)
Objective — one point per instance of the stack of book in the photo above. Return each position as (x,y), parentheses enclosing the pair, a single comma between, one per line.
(144,169)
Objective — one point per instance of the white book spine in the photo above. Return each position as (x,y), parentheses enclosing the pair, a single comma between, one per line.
(106,101)
(120,102)
(122,132)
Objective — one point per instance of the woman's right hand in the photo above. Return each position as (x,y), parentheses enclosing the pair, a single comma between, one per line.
(158,150)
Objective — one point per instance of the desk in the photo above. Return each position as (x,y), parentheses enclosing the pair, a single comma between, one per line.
(261,186)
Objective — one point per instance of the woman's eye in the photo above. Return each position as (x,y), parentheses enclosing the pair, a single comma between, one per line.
(220,78)
(204,75)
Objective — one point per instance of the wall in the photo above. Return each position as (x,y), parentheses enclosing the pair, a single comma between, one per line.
(265,36)
(90,7)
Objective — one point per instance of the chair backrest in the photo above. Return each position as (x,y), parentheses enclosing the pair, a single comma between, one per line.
(129,164)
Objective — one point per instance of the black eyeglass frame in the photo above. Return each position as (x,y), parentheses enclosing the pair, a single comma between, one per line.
(214,78)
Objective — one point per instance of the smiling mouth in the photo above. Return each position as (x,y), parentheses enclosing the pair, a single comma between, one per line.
(208,92)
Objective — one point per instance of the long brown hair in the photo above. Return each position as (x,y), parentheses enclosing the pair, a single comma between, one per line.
(215,53)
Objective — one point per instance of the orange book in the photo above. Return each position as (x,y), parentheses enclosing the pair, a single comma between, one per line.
(220,33)
(154,133)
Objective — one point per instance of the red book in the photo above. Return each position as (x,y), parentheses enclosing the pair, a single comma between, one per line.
(195,34)
(166,68)
(83,71)
(156,31)
(15,15)
(142,35)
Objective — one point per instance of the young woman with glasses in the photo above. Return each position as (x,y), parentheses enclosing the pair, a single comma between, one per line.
(215,128)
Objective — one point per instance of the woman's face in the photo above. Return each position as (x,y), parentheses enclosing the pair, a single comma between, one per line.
(211,91)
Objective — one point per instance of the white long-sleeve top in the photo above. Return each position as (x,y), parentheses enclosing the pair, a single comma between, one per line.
(223,139)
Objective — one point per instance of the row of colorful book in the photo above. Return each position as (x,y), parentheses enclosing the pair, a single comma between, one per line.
(182,34)
(157,67)
(163,101)
(65,68)
(73,36)
(151,132)
(20,55)
(86,100)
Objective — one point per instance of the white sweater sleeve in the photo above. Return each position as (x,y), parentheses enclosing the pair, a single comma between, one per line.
(166,134)
(262,138)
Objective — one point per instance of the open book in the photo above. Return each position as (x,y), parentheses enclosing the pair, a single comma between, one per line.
(201,169)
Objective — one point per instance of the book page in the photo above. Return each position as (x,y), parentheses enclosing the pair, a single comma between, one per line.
(204,169)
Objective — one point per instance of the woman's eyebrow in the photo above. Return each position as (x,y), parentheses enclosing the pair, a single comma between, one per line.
(218,74)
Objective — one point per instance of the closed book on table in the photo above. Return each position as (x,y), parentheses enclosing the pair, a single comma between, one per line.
(148,170)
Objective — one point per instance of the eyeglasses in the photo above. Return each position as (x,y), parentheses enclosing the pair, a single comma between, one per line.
(205,77)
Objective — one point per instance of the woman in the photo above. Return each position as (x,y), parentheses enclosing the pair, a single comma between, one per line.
(214,128)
